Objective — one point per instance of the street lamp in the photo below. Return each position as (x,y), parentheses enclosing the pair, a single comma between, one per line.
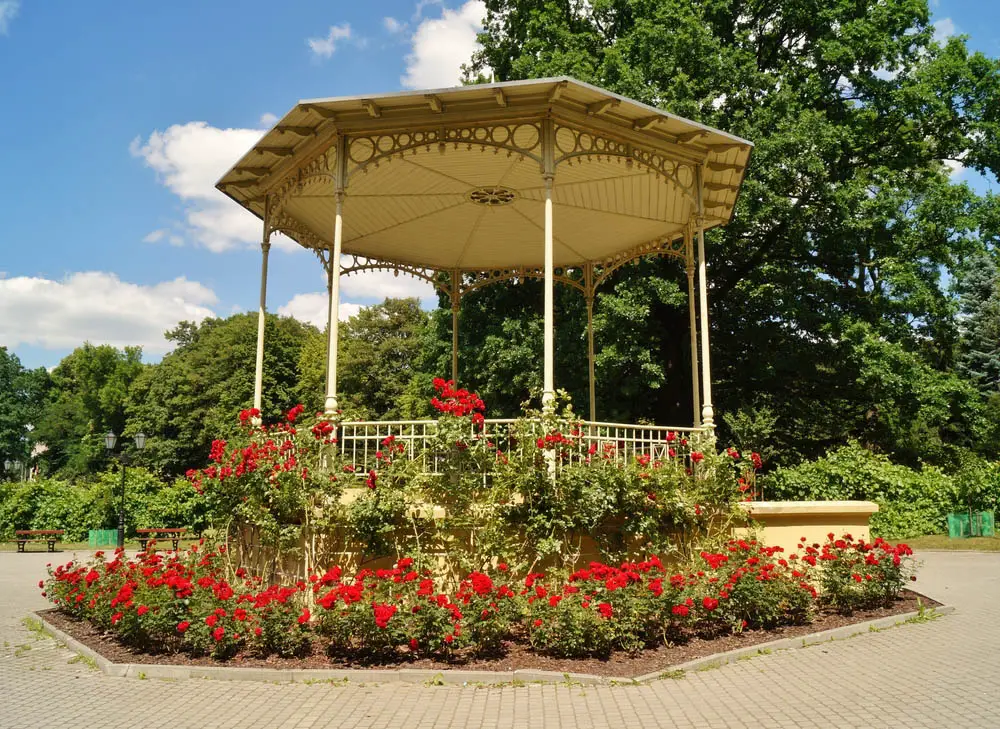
(15,467)
(110,439)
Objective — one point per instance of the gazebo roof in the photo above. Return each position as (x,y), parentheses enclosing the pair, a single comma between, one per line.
(452,179)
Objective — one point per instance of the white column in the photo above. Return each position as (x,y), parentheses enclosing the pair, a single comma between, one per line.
(329,293)
(456,300)
(548,372)
(258,373)
(548,349)
(693,317)
(707,413)
(588,282)
(333,316)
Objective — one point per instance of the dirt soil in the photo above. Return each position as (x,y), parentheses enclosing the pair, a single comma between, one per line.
(516,655)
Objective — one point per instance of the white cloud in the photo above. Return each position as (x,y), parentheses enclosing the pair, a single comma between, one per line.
(441,45)
(943,29)
(189,159)
(8,11)
(97,307)
(312,309)
(155,236)
(392,25)
(268,119)
(325,47)
(955,167)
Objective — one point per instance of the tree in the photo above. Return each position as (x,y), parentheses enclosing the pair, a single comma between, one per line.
(847,214)
(194,395)
(85,400)
(978,288)
(22,393)
(379,355)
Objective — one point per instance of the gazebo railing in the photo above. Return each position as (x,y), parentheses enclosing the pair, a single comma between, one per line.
(359,442)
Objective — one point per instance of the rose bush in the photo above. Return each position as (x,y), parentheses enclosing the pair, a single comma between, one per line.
(194,601)
(857,575)
(532,490)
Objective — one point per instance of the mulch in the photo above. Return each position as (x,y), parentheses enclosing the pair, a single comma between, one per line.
(515,655)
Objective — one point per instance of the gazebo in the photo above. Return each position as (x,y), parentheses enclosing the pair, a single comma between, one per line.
(551,179)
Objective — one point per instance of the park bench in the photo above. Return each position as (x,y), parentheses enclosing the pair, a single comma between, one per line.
(23,536)
(146,535)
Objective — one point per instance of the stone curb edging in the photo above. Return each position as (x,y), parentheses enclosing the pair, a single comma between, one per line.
(459,676)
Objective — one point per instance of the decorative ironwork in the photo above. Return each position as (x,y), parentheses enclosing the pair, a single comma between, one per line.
(432,276)
(471,281)
(281,222)
(492,196)
(364,151)
(572,143)
(672,246)
(322,167)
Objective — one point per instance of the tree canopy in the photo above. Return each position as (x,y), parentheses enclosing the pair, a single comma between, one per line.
(832,271)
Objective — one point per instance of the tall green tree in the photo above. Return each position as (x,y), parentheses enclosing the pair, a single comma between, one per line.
(195,393)
(86,399)
(22,394)
(978,287)
(379,355)
(847,215)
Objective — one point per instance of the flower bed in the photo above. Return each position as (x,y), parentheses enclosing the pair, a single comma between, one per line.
(191,603)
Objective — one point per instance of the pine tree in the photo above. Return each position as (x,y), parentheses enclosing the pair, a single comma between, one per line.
(979,347)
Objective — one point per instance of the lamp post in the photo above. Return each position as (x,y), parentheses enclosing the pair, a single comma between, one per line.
(109,445)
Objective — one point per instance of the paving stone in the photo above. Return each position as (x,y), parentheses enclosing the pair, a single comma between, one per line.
(937,673)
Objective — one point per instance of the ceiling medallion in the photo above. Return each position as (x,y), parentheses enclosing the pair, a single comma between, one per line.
(492,195)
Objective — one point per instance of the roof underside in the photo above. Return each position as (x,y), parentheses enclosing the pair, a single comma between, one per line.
(452,179)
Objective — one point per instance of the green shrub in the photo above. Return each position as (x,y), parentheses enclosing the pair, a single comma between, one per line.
(911,502)
(77,507)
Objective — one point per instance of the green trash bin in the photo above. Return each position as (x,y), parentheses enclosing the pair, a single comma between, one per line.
(959,525)
(981,524)
(103,537)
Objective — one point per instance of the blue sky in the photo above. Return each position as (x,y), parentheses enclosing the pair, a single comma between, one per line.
(118,117)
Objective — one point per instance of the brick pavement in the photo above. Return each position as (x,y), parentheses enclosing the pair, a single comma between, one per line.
(936,674)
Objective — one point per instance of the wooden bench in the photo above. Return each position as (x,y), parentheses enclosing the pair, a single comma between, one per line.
(146,535)
(23,536)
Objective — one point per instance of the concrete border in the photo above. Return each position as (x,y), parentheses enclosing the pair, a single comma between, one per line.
(465,677)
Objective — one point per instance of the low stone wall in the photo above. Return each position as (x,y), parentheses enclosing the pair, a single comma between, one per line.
(784,523)
(777,523)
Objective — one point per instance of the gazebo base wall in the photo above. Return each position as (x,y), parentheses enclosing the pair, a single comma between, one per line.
(784,523)
(779,523)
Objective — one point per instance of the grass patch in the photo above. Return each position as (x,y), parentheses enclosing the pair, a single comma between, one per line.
(86,660)
(943,541)
(35,626)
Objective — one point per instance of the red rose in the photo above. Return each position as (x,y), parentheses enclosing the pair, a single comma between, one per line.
(537,623)
(142,610)
(605,610)
(304,617)
(710,603)
(218,634)
(183,626)
(680,610)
